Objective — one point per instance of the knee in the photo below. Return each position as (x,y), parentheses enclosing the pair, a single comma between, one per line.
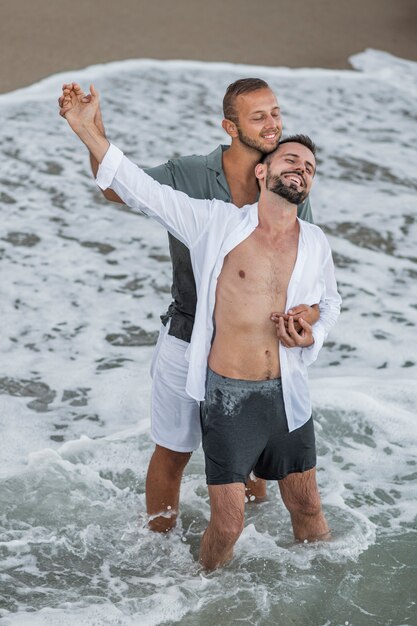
(227,532)
(173,462)
(308,505)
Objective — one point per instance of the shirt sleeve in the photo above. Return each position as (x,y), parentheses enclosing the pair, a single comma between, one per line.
(164,174)
(304,211)
(329,310)
(184,217)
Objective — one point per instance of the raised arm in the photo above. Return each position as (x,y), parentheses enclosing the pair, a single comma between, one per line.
(185,218)
(80,114)
(66,103)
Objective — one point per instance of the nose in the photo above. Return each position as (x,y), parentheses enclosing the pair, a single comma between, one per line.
(272,122)
(300,167)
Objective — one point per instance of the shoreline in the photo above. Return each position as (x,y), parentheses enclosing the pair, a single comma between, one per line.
(39,38)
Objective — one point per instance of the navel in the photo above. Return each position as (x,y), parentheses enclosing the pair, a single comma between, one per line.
(242,274)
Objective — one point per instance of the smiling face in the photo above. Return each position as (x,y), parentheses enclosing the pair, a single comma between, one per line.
(258,122)
(290,172)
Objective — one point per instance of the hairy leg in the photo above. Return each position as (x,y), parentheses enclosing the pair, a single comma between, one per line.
(227,503)
(163,481)
(301,496)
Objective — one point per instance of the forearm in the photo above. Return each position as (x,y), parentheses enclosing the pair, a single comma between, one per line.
(109,194)
(94,139)
(94,164)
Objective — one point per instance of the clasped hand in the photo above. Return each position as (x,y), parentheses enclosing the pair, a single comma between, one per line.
(295,328)
(78,108)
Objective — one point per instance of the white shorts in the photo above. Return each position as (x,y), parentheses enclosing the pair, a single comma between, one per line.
(175,417)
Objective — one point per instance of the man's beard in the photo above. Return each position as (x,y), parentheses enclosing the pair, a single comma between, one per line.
(256,143)
(275,184)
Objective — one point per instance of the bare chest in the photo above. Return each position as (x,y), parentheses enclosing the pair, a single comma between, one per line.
(258,268)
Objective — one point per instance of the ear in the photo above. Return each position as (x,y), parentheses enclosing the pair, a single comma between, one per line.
(260,171)
(230,128)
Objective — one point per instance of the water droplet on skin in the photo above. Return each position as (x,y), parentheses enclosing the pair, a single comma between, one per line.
(169,508)
(252,498)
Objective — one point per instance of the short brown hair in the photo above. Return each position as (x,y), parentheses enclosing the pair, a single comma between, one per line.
(304,140)
(239,87)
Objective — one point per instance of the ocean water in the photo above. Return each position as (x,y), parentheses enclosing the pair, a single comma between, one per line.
(82,284)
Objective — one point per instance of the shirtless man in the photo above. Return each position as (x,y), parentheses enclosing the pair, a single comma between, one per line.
(253,122)
(248,263)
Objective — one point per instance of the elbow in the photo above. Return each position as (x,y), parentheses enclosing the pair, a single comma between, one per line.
(110,195)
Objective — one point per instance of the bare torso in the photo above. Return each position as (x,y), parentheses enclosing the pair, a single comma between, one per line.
(252,284)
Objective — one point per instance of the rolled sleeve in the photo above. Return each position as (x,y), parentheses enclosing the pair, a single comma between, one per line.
(329,310)
(310,354)
(108,167)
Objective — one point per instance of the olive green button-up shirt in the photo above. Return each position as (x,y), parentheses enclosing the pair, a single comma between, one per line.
(201,177)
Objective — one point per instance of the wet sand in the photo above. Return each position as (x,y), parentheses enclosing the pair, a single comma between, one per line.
(40,37)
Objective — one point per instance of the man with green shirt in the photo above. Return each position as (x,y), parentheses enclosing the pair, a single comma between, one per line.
(253,122)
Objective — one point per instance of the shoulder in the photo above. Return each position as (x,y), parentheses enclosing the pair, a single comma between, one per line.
(225,217)
(314,233)
(313,229)
(190,174)
(190,163)
(196,174)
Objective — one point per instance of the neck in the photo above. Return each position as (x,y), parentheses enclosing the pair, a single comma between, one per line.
(276,214)
(239,162)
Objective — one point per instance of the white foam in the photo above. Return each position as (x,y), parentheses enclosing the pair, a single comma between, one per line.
(82,275)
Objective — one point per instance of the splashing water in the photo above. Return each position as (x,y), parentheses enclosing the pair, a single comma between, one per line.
(82,285)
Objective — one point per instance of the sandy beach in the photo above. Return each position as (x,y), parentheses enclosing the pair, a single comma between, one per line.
(39,38)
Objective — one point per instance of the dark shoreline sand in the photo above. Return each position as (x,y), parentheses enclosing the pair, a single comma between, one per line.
(43,37)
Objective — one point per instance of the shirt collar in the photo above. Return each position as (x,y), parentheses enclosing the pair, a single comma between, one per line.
(215,160)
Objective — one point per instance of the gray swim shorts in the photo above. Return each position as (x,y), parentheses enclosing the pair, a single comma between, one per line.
(244,429)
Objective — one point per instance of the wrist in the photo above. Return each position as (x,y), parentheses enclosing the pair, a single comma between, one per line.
(99,124)
(87,130)
(93,139)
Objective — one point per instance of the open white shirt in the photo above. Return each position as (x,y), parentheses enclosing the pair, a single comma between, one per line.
(211,229)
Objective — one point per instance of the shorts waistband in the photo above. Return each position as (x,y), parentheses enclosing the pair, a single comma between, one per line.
(254,385)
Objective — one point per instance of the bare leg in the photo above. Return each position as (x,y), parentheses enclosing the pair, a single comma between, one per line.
(301,497)
(163,481)
(227,504)
(256,489)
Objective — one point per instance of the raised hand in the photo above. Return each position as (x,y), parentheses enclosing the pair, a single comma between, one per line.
(78,108)
(80,111)
(65,102)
